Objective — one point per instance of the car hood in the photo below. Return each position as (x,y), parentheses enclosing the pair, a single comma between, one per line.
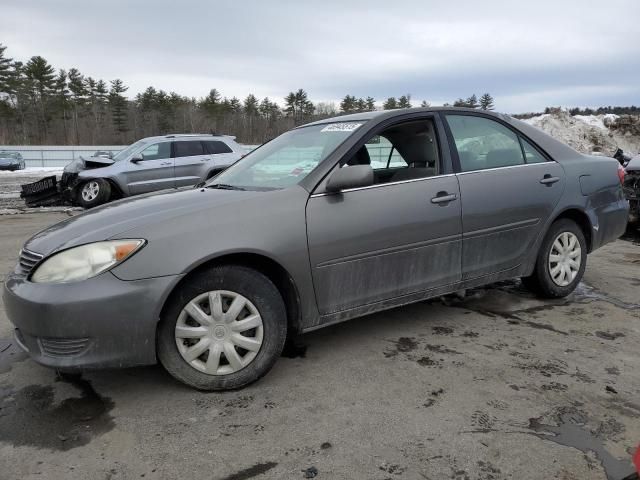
(82,163)
(115,218)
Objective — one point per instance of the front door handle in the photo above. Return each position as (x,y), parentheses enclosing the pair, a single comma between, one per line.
(549,180)
(443,198)
(165,163)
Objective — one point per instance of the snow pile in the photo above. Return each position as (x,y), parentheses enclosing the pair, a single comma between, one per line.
(591,134)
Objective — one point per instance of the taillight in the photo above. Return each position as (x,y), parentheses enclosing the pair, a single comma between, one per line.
(621,174)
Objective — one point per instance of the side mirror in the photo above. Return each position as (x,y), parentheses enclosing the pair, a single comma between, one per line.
(137,159)
(350,177)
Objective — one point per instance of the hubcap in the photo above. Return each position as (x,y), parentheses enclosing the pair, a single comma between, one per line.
(219,332)
(564,259)
(90,191)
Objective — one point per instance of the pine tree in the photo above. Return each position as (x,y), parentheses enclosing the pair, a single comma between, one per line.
(78,93)
(61,92)
(5,71)
(348,104)
(40,76)
(118,106)
(390,103)
(460,102)
(425,104)
(234,105)
(472,101)
(486,102)
(250,105)
(371,104)
(361,105)
(404,101)
(211,104)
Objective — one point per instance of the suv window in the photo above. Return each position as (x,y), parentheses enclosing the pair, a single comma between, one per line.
(483,143)
(157,151)
(402,152)
(214,147)
(189,148)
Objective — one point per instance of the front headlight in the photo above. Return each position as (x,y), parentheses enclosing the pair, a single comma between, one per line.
(85,261)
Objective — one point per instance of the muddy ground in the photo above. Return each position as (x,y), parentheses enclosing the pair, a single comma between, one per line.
(498,385)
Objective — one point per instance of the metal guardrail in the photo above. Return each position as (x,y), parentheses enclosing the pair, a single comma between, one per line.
(54,156)
(59,156)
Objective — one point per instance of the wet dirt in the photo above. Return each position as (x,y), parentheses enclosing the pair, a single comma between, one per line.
(10,353)
(572,431)
(71,423)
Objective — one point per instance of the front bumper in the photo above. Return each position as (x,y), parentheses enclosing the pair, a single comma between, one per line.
(102,322)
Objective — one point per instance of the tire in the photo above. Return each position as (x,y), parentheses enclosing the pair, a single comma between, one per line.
(176,352)
(93,193)
(546,280)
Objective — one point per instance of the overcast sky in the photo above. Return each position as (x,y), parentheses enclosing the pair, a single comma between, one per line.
(526,54)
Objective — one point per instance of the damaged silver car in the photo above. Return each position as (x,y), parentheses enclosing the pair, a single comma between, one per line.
(148,165)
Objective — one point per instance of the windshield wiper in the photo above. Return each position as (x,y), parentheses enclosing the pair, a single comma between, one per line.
(225,186)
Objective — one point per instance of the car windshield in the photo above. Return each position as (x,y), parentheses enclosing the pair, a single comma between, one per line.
(126,153)
(9,155)
(286,160)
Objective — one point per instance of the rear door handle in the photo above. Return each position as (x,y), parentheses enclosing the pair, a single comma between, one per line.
(444,197)
(165,163)
(549,180)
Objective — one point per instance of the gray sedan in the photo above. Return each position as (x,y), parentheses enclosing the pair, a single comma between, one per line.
(11,161)
(330,221)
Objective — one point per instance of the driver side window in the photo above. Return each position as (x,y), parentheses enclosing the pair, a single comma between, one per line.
(405,151)
(157,151)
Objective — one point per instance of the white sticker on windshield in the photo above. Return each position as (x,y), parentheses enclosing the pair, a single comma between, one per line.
(341,127)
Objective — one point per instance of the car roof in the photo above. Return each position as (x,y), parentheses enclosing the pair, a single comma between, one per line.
(555,148)
(384,114)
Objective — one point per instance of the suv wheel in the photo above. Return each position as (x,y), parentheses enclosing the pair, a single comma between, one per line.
(223,329)
(561,261)
(94,192)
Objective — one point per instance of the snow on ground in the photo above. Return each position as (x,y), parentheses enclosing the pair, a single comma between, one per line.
(586,133)
(33,171)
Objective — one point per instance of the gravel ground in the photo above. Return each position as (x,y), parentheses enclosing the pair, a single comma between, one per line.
(495,385)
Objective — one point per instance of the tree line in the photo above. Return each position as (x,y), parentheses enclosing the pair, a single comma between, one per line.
(42,105)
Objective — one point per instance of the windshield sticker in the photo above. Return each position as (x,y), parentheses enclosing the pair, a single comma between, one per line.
(341,127)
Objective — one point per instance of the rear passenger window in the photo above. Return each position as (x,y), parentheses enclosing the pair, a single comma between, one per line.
(214,147)
(531,155)
(483,143)
(188,149)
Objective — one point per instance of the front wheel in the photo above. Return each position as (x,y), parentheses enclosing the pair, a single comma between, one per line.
(223,329)
(93,193)
(561,261)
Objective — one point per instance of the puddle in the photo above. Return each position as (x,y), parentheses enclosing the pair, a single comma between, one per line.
(571,431)
(10,353)
(71,423)
(254,471)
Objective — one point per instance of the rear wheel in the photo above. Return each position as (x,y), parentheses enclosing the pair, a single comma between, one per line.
(561,261)
(93,193)
(223,329)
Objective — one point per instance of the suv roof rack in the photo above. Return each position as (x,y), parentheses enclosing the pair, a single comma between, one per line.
(175,135)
